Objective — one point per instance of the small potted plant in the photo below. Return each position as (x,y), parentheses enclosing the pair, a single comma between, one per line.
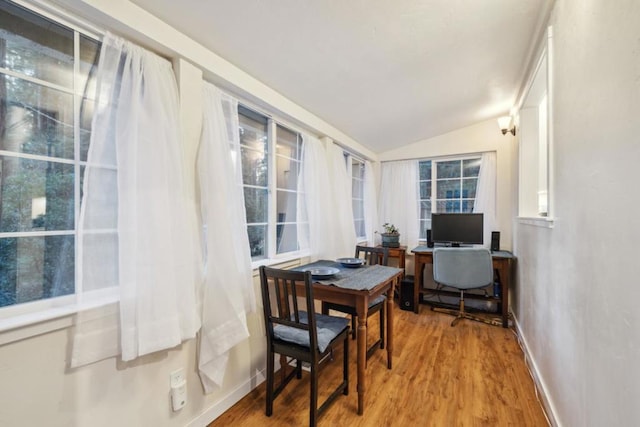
(390,236)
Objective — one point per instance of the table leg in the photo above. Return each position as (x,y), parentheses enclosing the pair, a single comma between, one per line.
(390,323)
(362,355)
(505,276)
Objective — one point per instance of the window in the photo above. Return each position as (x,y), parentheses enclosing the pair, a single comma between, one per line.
(271,158)
(46,71)
(357,196)
(534,142)
(447,185)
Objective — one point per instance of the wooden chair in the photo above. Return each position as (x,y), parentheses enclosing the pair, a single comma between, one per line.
(302,335)
(371,256)
(463,269)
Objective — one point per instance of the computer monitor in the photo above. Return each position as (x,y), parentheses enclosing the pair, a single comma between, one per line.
(457,229)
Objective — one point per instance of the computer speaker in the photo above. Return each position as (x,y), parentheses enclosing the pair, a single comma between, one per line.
(495,241)
(429,241)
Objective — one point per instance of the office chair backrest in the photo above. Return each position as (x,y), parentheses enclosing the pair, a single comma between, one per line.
(284,299)
(373,255)
(462,268)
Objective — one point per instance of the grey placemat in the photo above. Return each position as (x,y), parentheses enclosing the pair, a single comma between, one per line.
(362,278)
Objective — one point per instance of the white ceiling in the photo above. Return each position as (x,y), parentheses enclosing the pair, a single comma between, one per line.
(385,72)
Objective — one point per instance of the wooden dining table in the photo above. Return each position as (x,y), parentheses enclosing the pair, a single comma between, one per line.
(356,287)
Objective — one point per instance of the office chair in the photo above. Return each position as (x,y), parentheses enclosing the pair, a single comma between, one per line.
(372,256)
(301,335)
(463,269)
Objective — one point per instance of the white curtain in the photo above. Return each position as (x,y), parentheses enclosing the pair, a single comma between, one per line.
(136,231)
(370,205)
(399,199)
(343,231)
(486,194)
(314,222)
(228,294)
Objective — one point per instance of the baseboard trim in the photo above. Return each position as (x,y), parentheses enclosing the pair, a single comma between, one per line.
(541,388)
(228,401)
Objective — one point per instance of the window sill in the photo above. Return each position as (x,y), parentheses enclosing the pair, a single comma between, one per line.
(543,222)
(285,259)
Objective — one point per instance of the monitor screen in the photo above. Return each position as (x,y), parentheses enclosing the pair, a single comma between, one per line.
(457,228)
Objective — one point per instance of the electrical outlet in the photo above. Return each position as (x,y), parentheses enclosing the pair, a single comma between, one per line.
(176,378)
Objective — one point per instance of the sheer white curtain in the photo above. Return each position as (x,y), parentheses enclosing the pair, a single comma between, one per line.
(136,232)
(343,231)
(399,199)
(486,194)
(228,294)
(315,224)
(370,205)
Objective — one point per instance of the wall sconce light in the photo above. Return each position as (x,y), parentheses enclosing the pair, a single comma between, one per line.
(506,125)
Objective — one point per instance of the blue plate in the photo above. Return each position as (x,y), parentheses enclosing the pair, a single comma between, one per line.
(322,272)
(351,262)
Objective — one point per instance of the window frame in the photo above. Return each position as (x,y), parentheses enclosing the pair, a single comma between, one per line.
(21,320)
(425,224)
(351,159)
(271,255)
(536,179)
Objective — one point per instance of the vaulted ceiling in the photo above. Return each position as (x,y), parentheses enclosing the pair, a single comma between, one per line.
(385,72)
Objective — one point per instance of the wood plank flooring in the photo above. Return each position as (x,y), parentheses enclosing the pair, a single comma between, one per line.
(472,374)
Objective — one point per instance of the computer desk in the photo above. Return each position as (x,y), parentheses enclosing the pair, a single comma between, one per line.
(502,261)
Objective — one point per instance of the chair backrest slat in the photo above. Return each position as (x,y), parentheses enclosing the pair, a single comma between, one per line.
(373,255)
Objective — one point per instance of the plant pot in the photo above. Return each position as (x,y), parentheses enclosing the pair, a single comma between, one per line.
(390,240)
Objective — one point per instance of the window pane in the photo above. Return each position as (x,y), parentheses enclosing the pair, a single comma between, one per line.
(254,167)
(424,226)
(287,143)
(253,129)
(425,210)
(357,169)
(287,238)
(448,206)
(471,167)
(448,189)
(86,116)
(35,195)
(357,189)
(359,224)
(89,55)
(37,119)
(469,188)
(450,169)
(35,268)
(257,240)
(35,46)
(425,170)
(287,173)
(256,204)
(358,209)
(467,206)
(425,189)
(286,203)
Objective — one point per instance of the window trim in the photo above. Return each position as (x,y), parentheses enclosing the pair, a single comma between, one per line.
(350,159)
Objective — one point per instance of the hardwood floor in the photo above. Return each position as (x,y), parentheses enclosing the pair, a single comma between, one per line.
(472,374)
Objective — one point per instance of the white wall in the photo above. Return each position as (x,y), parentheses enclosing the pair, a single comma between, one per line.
(577,296)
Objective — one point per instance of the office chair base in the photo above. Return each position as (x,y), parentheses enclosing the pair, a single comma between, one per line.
(464,315)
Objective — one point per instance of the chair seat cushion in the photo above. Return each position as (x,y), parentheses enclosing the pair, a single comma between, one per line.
(328,328)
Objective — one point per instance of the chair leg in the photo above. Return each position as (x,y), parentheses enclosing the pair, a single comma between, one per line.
(270,375)
(313,410)
(298,368)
